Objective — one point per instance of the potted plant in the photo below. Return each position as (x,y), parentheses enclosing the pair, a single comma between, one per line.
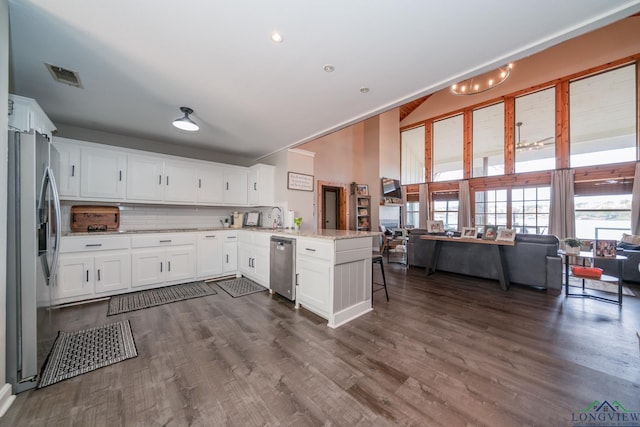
(297,221)
(572,245)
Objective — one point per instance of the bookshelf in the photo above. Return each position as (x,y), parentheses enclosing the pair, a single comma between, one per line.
(360,218)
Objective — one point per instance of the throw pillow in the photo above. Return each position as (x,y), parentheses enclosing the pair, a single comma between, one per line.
(629,246)
(631,238)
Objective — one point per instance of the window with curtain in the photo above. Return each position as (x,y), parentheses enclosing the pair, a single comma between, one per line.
(602,118)
(448,143)
(491,208)
(603,204)
(445,209)
(530,209)
(488,140)
(412,169)
(535,130)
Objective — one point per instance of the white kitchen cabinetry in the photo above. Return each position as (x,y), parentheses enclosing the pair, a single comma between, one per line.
(234,186)
(230,252)
(155,179)
(67,171)
(261,185)
(334,277)
(91,267)
(210,185)
(162,259)
(209,262)
(253,253)
(103,174)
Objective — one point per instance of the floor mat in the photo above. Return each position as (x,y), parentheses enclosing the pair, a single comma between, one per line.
(86,350)
(240,287)
(153,297)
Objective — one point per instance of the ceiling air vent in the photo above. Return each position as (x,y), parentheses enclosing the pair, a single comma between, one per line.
(65,76)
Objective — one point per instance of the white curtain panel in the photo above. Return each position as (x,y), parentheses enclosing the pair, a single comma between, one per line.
(464,205)
(635,202)
(562,220)
(424,205)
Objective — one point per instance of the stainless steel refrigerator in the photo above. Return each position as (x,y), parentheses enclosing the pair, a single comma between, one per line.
(33,243)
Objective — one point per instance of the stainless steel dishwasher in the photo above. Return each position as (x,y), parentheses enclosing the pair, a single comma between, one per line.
(282,276)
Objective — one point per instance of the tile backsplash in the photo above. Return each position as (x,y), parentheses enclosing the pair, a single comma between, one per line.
(160,217)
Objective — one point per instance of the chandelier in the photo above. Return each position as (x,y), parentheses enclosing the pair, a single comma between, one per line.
(482,82)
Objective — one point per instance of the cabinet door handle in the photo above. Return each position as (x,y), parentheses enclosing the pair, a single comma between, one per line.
(227,183)
(87,276)
(73,170)
(98,275)
(199,183)
(160,179)
(167,179)
(165,241)
(120,175)
(227,261)
(297,274)
(255,186)
(93,245)
(169,268)
(160,266)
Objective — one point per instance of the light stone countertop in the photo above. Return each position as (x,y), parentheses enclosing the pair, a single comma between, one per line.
(322,234)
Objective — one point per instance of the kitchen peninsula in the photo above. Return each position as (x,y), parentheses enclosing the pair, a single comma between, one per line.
(333,267)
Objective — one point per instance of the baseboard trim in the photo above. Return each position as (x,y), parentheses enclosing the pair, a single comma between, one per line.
(6,399)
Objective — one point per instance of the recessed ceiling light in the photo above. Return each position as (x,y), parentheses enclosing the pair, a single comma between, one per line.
(364,90)
(329,68)
(276,37)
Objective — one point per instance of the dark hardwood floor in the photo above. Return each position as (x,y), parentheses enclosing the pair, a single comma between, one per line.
(445,350)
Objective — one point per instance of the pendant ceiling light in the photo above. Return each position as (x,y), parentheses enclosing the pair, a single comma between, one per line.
(185,123)
(482,82)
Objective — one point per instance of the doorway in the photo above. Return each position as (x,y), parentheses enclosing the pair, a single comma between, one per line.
(332,205)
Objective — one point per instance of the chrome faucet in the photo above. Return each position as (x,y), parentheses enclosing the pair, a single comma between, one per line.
(277,222)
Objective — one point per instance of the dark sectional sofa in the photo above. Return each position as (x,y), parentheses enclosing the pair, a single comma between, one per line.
(533,260)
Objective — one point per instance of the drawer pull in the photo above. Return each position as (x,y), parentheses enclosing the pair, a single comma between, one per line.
(309,249)
(165,241)
(231,237)
(210,237)
(93,245)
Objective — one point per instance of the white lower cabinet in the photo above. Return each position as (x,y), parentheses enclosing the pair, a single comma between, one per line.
(230,252)
(314,262)
(162,259)
(253,253)
(209,263)
(91,267)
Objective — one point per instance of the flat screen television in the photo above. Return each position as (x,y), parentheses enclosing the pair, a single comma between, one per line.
(391,190)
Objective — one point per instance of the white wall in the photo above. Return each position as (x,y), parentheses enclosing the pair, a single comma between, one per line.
(303,203)
(5,389)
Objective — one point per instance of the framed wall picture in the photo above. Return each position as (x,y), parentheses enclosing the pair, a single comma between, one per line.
(469,233)
(506,235)
(362,189)
(490,232)
(299,181)
(435,226)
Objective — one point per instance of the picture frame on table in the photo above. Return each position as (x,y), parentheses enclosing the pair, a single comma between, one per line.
(490,232)
(469,233)
(506,235)
(362,189)
(435,226)
(605,248)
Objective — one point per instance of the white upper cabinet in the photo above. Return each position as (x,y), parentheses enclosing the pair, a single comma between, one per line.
(67,168)
(261,185)
(145,179)
(180,181)
(235,186)
(103,173)
(210,184)
(26,115)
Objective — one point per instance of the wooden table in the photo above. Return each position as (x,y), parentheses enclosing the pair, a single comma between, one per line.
(495,245)
(604,278)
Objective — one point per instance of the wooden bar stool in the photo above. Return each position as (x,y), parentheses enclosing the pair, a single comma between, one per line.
(377,259)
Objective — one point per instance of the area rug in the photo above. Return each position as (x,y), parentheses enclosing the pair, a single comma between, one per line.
(596,285)
(152,297)
(240,287)
(86,350)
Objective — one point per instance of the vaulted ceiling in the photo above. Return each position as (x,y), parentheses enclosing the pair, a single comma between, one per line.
(139,61)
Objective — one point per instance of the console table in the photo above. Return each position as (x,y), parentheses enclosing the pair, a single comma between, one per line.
(494,245)
(604,278)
